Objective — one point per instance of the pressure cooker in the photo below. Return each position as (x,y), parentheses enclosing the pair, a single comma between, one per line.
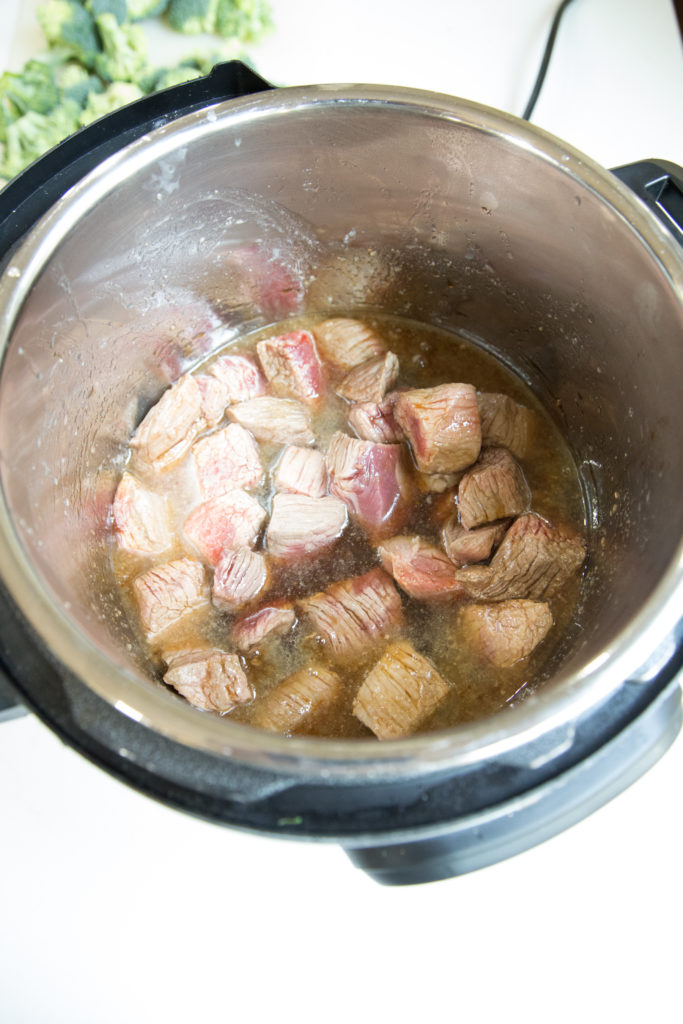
(114,249)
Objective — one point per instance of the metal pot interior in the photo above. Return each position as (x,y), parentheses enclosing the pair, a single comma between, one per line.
(413,204)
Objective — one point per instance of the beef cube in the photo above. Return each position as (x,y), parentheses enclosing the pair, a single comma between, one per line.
(346,343)
(229,522)
(353,615)
(168,592)
(226,460)
(467,547)
(374,421)
(141,523)
(399,693)
(291,364)
(442,426)
(241,377)
(535,560)
(301,471)
(298,703)
(494,488)
(165,434)
(239,578)
(505,632)
(272,620)
(370,381)
(420,569)
(214,398)
(274,420)
(372,480)
(302,527)
(504,422)
(211,680)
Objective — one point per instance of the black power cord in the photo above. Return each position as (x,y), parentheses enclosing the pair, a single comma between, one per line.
(540,77)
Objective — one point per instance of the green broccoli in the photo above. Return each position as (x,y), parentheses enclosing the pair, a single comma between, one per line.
(69,26)
(192,16)
(74,82)
(139,9)
(118,94)
(116,7)
(125,50)
(245,20)
(33,134)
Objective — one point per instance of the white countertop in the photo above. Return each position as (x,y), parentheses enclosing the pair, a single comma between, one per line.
(116,909)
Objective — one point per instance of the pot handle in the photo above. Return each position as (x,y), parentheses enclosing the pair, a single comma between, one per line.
(31,194)
(659,184)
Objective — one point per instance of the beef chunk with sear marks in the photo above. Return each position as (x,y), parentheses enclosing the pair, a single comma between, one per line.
(239,578)
(165,434)
(302,527)
(494,488)
(168,592)
(301,471)
(240,376)
(505,422)
(299,702)
(211,680)
(274,420)
(370,381)
(442,426)
(354,614)
(399,693)
(141,518)
(505,632)
(271,620)
(467,547)
(534,560)
(346,343)
(420,569)
(292,366)
(372,480)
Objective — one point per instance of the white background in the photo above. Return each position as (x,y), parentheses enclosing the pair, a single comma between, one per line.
(115,909)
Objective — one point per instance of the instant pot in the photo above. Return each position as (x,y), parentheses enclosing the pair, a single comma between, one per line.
(159,233)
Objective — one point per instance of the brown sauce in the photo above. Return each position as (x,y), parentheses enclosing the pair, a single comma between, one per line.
(428,356)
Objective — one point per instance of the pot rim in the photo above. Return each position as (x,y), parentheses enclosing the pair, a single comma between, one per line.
(633,653)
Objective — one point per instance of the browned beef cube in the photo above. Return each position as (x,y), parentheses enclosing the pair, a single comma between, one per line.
(299,702)
(494,488)
(274,420)
(505,422)
(442,425)
(214,397)
(291,364)
(272,620)
(354,614)
(141,518)
(467,547)
(302,527)
(374,421)
(165,434)
(241,377)
(505,632)
(168,592)
(422,570)
(399,693)
(301,471)
(535,560)
(346,343)
(239,578)
(370,381)
(226,460)
(229,522)
(372,480)
(212,680)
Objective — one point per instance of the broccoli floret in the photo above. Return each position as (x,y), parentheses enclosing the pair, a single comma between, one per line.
(33,134)
(70,27)
(245,20)
(75,82)
(118,94)
(192,16)
(125,50)
(139,9)
(116,7)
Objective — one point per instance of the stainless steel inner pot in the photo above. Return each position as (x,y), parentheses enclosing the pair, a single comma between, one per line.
(370,197)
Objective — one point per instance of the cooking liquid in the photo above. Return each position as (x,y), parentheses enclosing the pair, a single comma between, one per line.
(428,356)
